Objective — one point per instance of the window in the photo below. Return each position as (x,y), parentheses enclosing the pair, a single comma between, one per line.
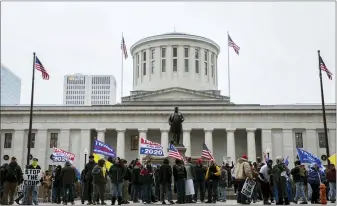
(321,139)
(205,68)
(8,140)
(134,142)
(197,61)
(299,139)
(144,62)
(206,63)
(32,143)
(186,65)
(137,59)
(152,60)
(186,59)
(175,59)
(163,59)
(186,52)
(53,140)
(212,64)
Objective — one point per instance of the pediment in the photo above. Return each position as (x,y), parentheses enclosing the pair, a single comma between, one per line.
(174,94)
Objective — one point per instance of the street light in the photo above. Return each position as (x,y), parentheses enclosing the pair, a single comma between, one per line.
(268,151)
(85,156)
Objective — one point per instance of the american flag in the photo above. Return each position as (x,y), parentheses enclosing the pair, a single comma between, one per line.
(206,153)
(40,67)
(324,68)
(173,152)
(123,47)
(231,43)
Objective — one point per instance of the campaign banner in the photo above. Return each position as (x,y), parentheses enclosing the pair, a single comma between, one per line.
(103,149)
(60,155)
(309,158)
(248,188)
(148,147)
(32,177)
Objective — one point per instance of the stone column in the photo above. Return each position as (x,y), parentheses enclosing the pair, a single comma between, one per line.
(187,142)
(121,143)
(288,145)
(267,142)
(41,148)
(18,150)
(142,133)
(164,140)
(231,144)
(85,144)
(209,139)
(310,141)
(251,148)
(101,135)
(64,139)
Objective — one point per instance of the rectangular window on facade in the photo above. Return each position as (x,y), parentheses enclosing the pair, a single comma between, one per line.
(134,142)
(8,140)
(163,52)
(299,139)
(32,143)
(321,139)
(137,59)
(186,65)
(206,69)
(144,56)
(144,68)
(196,53)
(186,52)
(152,66)
(175,51)
(206,55)
(153,52)
(53,140)
(197,66)
(163,65)
(175,65)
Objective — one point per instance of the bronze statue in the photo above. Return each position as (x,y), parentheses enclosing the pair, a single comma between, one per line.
(176,127)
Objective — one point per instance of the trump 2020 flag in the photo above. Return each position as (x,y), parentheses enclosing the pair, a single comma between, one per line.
(148,147)
(307,157)
(103,149)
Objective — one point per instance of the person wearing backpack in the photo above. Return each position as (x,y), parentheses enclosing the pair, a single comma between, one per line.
(13,177)
(180,174)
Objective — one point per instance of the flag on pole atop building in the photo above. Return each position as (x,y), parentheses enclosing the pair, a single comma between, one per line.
(123,47)
(174,153)
(231,43)
(206,153)
(40,67)
(324,68)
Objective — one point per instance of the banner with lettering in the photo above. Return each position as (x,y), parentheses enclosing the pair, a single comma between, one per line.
(32,177)
(309,158)
(103,149)
(148,147)
(60,155)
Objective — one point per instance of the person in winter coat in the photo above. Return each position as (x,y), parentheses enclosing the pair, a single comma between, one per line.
(146,176)
(32,191)
(88,189)
(199,183)
(213,175)
(229,173)
(280,173)
(165,179)
(223,183)
(242,171)
(68,177)
(57,185)
(13,177)
(99,174)
(331,178)
(265,181)
(46,184)
(127,180)
(190,177)
(314,181)
(136,183)
(298,174)
(179,175)
(117,173)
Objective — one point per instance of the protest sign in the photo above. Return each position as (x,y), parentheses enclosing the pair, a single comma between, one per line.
(248,188)
(32,177)
(148,147)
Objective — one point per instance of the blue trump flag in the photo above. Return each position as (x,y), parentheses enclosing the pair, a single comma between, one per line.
(307,157)
(103,149)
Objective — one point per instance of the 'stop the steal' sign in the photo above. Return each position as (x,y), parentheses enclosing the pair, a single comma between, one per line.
(32,177)
(148,147)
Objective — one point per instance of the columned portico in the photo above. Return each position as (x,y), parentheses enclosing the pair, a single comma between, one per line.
(231,144)
(164,140)
(41,144)
(101,135)
(209,139)
(85,144)
(187,141)
(142,134)
(267,142)
(251,147)
(19,142)
(121,143)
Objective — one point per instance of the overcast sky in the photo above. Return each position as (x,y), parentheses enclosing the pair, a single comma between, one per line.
(278,61)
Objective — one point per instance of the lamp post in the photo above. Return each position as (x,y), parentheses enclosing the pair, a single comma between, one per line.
(85,156)
(268,151)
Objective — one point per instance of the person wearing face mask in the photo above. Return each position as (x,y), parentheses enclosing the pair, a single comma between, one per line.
(32,190)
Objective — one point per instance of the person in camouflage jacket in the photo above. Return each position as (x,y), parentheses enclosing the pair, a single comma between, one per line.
(280,174)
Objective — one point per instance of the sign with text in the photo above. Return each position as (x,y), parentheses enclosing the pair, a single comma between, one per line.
(103,149)
(148,147)
(32,177)
(248,188)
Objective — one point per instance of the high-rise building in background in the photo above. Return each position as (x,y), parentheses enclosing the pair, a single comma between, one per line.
(81,89)
(10,87)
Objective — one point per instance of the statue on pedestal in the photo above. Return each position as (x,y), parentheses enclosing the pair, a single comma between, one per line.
(176,127)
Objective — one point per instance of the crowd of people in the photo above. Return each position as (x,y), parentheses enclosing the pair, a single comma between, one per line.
(190,181)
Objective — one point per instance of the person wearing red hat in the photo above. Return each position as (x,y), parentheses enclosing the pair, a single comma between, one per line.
(199,184)
(242,172)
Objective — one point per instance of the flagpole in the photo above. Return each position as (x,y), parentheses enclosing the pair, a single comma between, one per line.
(323,109)
(229,77)
(122,70)
(31,112)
